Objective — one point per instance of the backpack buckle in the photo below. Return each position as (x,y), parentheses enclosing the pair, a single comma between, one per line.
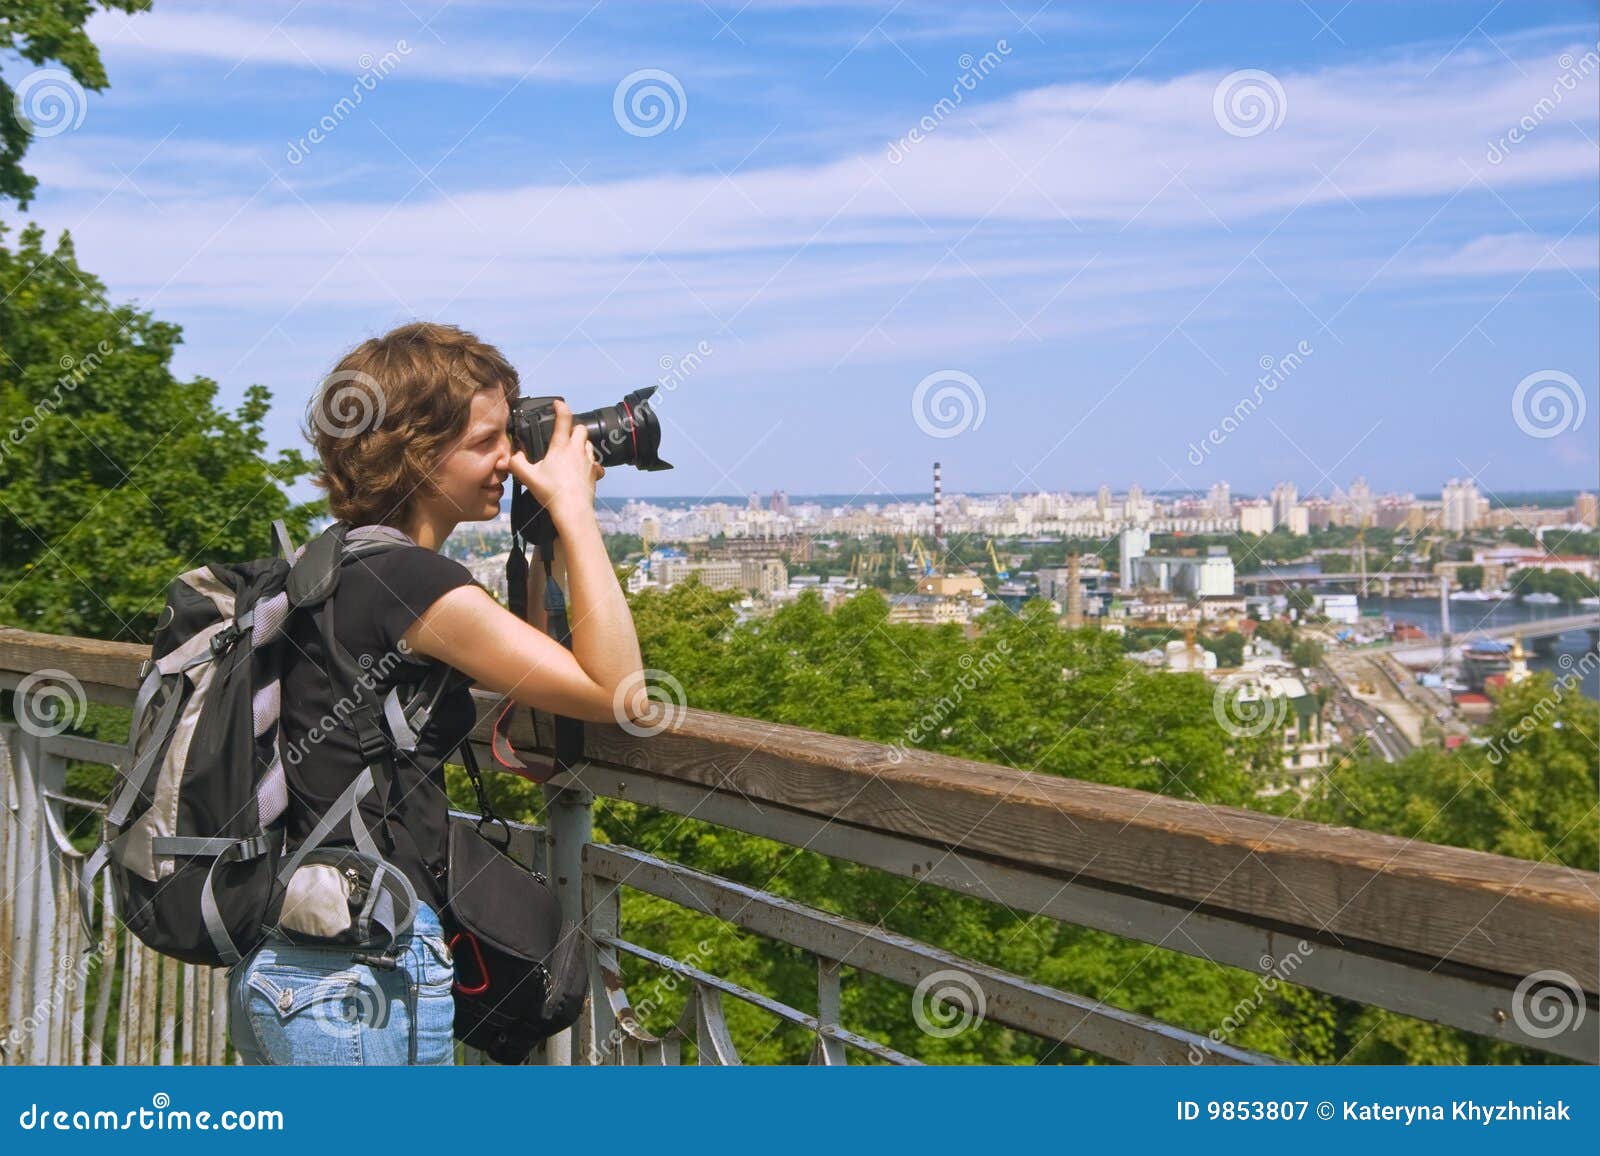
(373,743)
(224,638)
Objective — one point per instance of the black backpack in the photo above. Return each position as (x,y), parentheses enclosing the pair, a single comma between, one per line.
(193,836)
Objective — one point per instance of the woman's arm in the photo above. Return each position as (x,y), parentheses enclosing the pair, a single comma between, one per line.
(600,678)
(603,636)
(470,631)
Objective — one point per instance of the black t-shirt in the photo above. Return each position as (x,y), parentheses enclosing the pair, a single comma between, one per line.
(378,598)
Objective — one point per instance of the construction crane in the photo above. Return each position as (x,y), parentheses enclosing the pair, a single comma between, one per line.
(921,555)
(1000,572)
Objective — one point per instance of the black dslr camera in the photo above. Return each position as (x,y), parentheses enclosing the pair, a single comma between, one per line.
(625,434)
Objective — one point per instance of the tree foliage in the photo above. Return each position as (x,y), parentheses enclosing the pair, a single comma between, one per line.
(41,31)
(115,476)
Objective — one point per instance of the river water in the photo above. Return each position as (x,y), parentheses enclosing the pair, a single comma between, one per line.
(1570,648)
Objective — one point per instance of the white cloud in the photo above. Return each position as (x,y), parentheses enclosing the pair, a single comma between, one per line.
(246,41)
(853,256)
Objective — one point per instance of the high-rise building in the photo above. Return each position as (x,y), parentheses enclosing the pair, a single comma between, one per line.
(1359,499)
(1102,500)
(1255,518)
(1458,507)
(1586,509)
(1134,544)
(1284,498)
(1220,501)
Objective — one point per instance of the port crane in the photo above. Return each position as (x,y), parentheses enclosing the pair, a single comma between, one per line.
(1000,572)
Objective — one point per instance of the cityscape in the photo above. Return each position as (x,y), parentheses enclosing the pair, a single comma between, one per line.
(1397,618)
(1071,539)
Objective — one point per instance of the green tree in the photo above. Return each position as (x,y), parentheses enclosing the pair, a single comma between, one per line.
(40,32)
(115,476)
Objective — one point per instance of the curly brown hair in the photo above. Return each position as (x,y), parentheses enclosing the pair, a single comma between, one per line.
(391,408)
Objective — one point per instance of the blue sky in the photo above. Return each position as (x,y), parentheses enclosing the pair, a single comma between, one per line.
(1093,254)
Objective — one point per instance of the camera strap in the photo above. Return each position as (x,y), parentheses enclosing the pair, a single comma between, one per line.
(568,731)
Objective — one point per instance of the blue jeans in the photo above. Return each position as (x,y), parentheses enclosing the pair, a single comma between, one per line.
(292,1003)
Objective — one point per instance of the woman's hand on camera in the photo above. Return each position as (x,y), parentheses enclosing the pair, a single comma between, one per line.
(563,480)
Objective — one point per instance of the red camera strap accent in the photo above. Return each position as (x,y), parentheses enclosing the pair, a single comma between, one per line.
(483,968)
(506,755)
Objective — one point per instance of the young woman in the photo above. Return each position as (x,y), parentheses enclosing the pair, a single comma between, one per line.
(411,430)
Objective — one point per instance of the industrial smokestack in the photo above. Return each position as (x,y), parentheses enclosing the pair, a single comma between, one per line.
(938,508)
(1074,595)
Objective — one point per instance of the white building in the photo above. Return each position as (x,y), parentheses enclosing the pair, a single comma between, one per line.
(1255,518)
(1458,510)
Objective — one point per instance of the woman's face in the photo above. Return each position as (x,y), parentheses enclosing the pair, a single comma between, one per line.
(471,476)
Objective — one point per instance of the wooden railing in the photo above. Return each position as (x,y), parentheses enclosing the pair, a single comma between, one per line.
(1439,933)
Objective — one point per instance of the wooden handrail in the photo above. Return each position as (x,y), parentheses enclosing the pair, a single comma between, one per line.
(1377,893)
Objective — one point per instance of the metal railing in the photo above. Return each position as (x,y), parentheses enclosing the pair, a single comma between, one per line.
(1439,933)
